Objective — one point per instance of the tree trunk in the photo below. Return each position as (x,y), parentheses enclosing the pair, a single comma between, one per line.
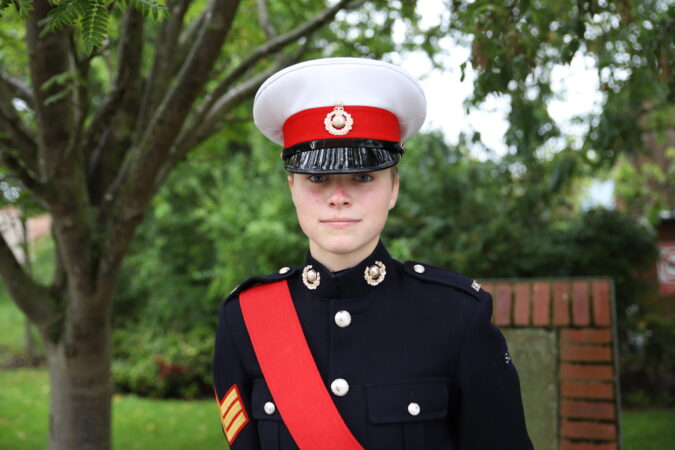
(80,382)
(29,344)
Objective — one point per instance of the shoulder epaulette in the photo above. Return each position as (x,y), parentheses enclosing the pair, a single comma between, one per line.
(283,274)
(440,275)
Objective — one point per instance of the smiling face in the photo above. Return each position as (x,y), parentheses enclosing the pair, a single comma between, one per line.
(343,214)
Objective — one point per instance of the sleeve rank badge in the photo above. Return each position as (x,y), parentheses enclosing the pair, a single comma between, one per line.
(232,413)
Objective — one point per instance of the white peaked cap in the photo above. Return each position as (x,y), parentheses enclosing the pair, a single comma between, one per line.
(351,81)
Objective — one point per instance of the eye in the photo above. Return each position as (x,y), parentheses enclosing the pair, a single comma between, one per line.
(363,177)
(317,178)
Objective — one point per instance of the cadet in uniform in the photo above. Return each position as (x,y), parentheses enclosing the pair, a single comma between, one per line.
(356,349)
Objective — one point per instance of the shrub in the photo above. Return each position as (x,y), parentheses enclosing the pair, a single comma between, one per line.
(170,364)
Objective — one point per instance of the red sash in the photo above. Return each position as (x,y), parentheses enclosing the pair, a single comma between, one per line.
(290,371)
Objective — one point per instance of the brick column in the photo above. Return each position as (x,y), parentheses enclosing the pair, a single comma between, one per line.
(580,311)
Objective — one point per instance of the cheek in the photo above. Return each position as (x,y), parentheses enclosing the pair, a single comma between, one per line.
(377,205)
(306,205)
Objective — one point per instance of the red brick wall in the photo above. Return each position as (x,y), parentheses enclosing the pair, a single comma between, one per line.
(581,312)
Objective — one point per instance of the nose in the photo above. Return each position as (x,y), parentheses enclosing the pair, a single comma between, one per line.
(339,196)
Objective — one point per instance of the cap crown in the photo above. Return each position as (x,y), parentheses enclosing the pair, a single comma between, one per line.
(327,82)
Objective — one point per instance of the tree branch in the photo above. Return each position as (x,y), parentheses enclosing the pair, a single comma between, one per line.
(18,88)
(161,73)
(136,182)
(113,122)
(32,298)
(19,138)
(61,163)
(263,50)
(48,57)
(206,126)
(264,19)
(80,94)
(29,180)
(187,39)
(191,139)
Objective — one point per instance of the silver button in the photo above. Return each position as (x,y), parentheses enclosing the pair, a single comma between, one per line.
(475,286)
(270,408)
(419,268)
(284,270)
(340,387)
(414,409)
(343,319)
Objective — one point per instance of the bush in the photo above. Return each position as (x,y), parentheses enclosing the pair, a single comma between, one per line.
(170,364)
(648,361)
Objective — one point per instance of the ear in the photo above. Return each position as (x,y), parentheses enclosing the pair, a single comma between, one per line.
(290,182)
(394,192)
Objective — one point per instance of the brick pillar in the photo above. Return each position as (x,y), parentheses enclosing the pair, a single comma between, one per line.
(581,312)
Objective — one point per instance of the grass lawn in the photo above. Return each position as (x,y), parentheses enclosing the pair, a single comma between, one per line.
(12,320)
(137,423)
(12,331)
(648,429)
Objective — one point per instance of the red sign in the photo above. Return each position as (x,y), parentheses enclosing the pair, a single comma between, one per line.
(665,268)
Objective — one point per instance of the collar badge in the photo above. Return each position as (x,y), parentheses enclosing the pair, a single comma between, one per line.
(311,277)
(338,122)
(374,274)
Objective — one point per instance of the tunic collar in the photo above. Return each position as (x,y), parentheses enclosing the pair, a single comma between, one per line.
(351,282)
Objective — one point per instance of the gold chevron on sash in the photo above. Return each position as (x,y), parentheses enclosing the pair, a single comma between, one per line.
(233,416)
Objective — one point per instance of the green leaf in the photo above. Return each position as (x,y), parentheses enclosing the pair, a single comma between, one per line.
(60,86)
(22,6)
(94,25)
(60,79)
(58,96)
(148,8)
(65,14)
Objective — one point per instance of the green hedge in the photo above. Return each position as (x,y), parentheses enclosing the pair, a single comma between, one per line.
(164,365)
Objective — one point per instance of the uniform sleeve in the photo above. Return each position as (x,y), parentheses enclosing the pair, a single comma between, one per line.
(487,404)
(232,388)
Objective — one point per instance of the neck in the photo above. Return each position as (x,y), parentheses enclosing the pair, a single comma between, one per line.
(340,261)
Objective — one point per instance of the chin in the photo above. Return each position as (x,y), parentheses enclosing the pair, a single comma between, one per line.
(344,245)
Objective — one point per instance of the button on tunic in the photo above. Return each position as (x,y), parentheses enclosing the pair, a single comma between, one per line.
(343,319)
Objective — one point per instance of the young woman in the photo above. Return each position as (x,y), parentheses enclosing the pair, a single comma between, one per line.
(355,349)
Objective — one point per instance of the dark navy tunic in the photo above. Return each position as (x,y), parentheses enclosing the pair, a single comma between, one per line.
(423,335)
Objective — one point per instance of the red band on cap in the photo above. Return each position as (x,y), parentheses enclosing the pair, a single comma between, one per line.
(368,123)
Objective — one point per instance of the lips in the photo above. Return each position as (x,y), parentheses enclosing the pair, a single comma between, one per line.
(340,222)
